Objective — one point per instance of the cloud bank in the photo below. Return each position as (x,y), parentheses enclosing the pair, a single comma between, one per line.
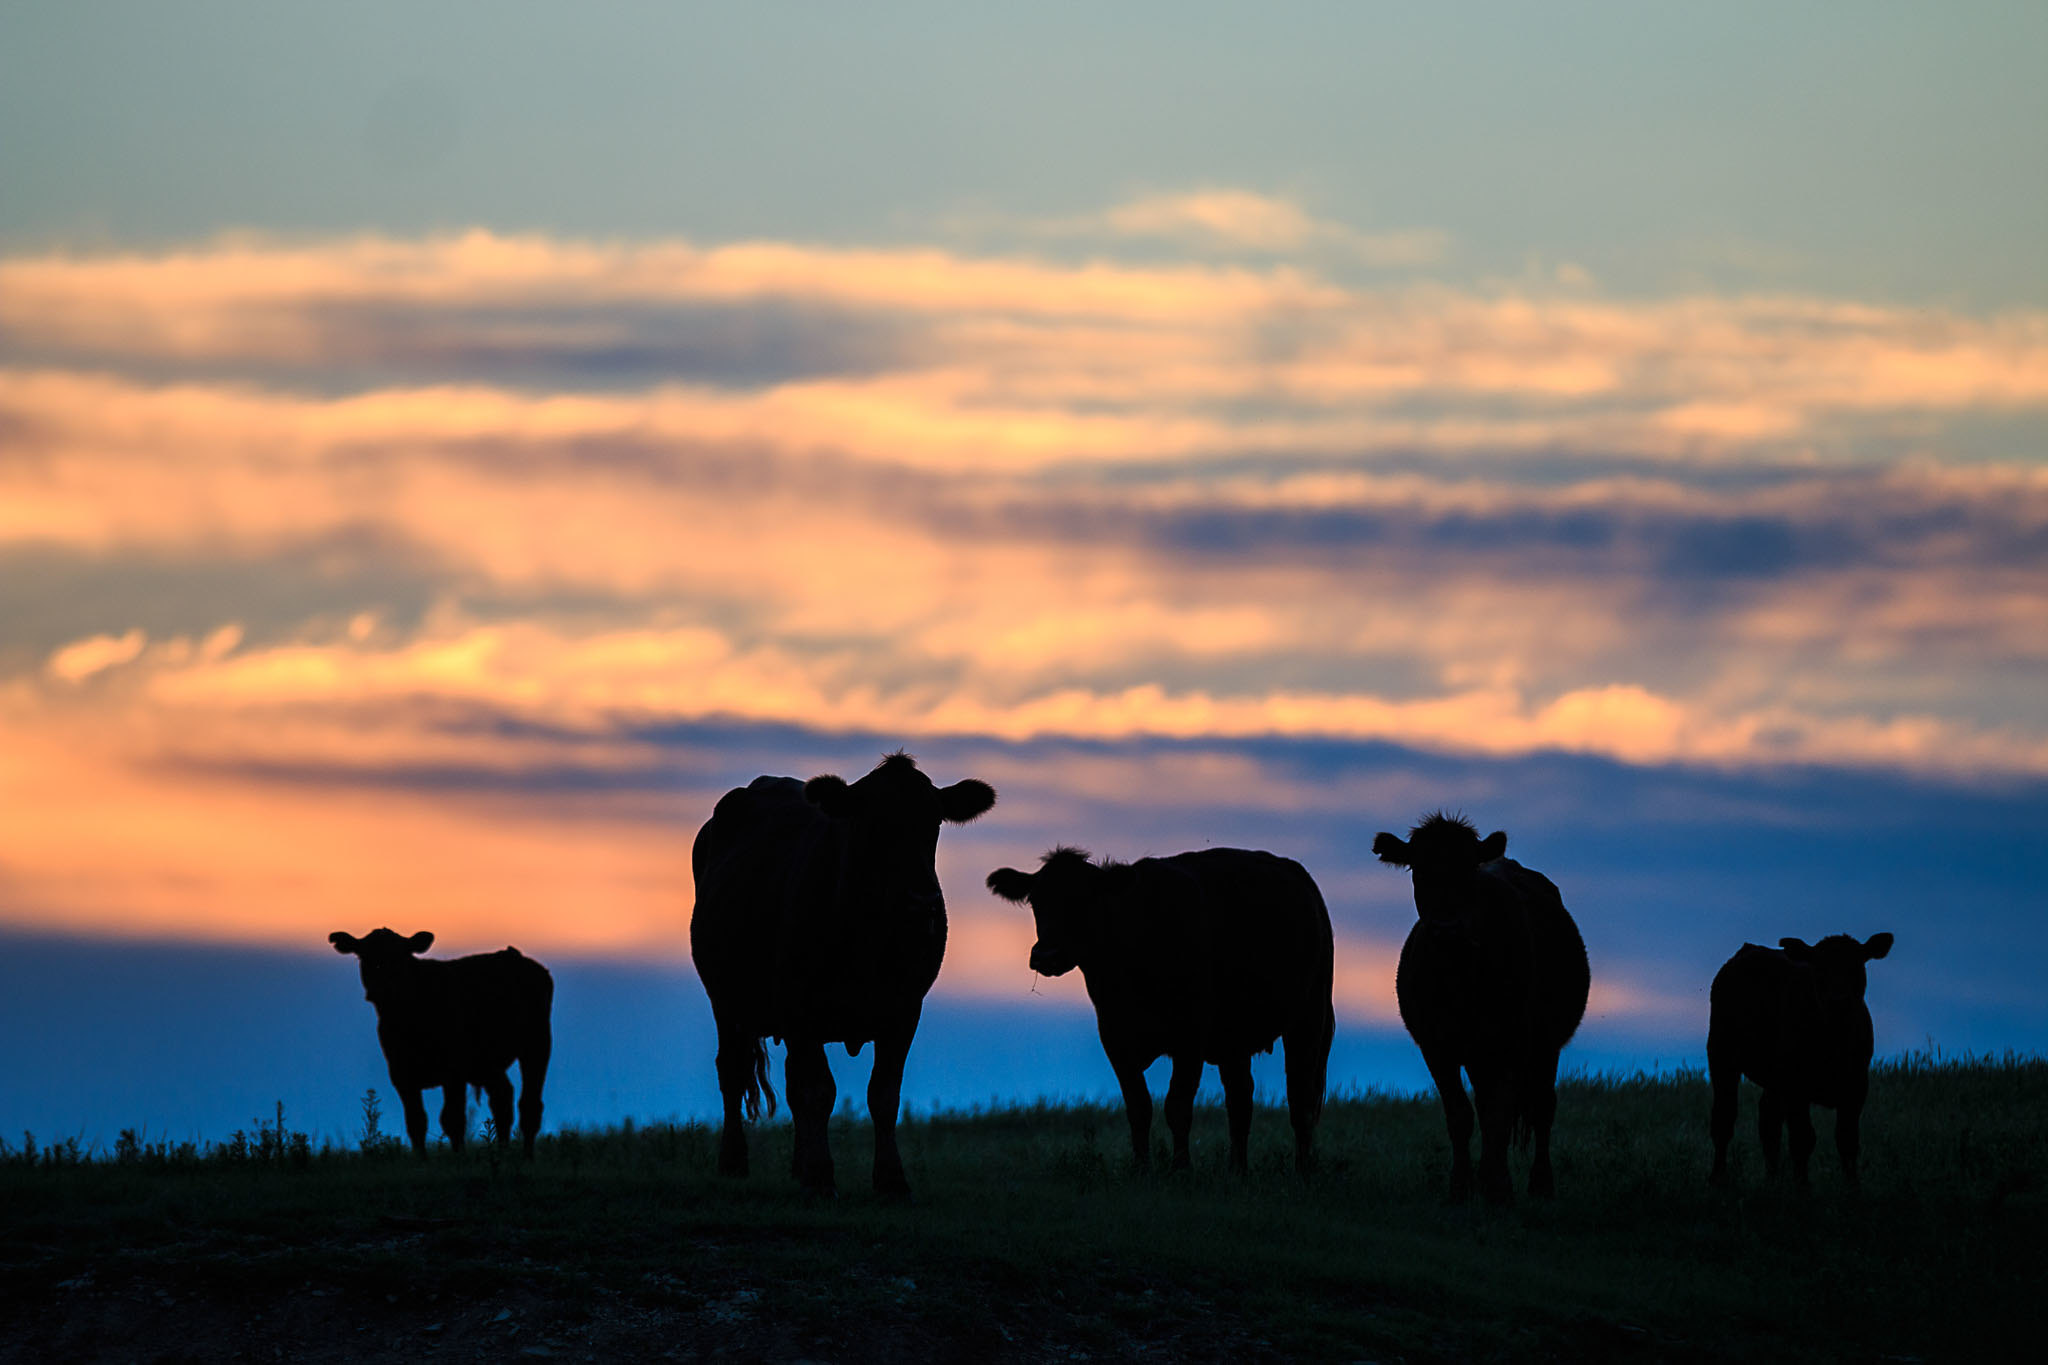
(294,534)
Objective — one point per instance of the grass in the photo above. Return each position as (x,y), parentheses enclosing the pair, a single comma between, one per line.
(1033,1238)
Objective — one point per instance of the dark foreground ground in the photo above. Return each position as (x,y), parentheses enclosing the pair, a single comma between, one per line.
(1032,1239)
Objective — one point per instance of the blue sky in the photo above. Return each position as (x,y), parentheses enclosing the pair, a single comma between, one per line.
(1882,151)
(440,452)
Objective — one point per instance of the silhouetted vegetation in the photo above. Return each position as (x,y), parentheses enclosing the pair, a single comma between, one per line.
(1034,1237)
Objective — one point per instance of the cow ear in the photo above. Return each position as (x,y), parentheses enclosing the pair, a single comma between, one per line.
(1796,948)
(965,799)
(1494,845)
(1877,945)
(343,943)
(1391,848)
(830,794)
(419,942)
(1010,884)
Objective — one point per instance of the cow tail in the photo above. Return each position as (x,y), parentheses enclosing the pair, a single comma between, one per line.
(1524,1131)
(758,1083)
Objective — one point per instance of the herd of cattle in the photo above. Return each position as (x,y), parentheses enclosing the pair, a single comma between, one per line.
(819,919)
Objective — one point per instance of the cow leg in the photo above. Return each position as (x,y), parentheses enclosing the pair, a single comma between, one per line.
(1237,1103)
(885,1097)
(498,1090)
(738,1056)
(1539,1107)
(1770,1126)
(415,1116)
(1130,1077)
(533,1075)
(454,1113)
(1800,1120)
(1450,1088)
(1727,1082)
(811,1094)
(1494,1094)
(1308,1070)
(1849,1137)
(1180,1106)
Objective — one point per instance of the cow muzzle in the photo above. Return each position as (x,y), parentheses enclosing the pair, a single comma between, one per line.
(1047,962)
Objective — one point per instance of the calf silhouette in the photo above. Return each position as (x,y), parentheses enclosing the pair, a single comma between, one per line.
(457,1023)
(819,920)
(1793,1020)
(1492,981)
(1201,957)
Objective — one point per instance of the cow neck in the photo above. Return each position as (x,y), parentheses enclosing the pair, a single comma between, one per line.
(907,886)
(1098,931)
(1445,899)
(407,994)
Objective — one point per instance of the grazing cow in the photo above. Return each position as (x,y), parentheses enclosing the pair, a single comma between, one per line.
(819,920)
(1203,957)
(1492,981)
(1793,1020)
(457,1023)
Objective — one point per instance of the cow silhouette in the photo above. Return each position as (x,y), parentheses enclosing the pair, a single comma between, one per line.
(1203,957)
(819,920)
(457,1023)
(1492,981)
(1793,1020)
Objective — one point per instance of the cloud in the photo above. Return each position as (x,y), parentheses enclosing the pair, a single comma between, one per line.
(80,660)
(685,554)
(954,359)
(449,580)
(1243,220)
(603,682)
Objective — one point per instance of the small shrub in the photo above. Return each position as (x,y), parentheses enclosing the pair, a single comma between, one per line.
(371,1139)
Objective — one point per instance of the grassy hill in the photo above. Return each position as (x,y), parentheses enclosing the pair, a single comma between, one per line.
(1033,1239)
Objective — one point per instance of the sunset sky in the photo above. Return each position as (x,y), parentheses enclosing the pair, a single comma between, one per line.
(440,453)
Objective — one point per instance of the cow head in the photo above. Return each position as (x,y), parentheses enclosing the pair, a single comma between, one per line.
(896,812)
(897,792)
(1837,963)
(1066,896)
(386,959)
(1443,852)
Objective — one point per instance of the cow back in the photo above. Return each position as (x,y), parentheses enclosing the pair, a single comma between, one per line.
(1218,951)
(1560,977)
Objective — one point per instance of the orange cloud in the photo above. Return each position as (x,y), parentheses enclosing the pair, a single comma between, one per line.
(80,660)
(99,843)
(1029,362)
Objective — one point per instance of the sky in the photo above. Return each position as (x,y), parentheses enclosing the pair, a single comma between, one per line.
(441,452)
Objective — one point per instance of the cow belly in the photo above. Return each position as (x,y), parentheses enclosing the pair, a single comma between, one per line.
(1234,1045)
(841,990)
(437,1068)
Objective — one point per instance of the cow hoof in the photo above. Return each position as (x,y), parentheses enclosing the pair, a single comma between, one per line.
(1541,1186)
(893,1194)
